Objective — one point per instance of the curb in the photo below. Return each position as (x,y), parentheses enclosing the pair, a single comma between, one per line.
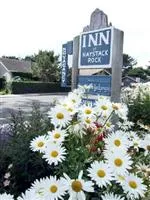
(33,94)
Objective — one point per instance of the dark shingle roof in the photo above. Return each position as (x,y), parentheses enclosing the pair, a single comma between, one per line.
(16,65)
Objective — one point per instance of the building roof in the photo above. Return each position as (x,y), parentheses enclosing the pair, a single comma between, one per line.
(14,65)
(130,77)
(103,72)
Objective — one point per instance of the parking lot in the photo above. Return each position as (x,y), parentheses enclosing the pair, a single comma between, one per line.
(12,103)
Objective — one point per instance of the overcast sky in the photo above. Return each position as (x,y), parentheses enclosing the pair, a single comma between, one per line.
(29,25)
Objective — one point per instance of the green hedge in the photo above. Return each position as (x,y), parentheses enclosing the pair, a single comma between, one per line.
(2,83)
(23,87)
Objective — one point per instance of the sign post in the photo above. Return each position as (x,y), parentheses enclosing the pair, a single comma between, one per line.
(74,80)
(104,49)
(92,50)
(117,63)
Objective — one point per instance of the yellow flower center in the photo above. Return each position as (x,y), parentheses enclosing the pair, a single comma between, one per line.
(76,186)
(136,144)
(70,109)
(88,111)
(54,154)
(40,144)
(115,106)
(101,173)
(88,121)
(122,178)
(148,147)
(133,184)
(103,107)
(60,115)
(108,124)
(57,135)
(117,143)
(118,162)
(73,100)
(53,189)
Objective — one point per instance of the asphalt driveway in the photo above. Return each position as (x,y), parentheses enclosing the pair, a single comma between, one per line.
(12,103)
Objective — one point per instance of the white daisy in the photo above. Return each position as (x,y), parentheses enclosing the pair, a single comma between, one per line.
(82,89)
(134,187)
(117,140)
(109,126)
(37,188)
(77,128)
(121,110)
(111,196)
(6,196)
(57,135)
(54,154)
(135,142)
(116,106)
(145,144)
(28,195)
(131,134)
(141,167)
(74,98)
(119,178)
(88,121)
(103,107)
(38,144)
(59,116)
(86,111)
(78,186)
(119,162)
(125,125)
(71,108)
(54,188)
(101,173)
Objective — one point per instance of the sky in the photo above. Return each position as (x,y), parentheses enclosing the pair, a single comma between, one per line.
(27,26)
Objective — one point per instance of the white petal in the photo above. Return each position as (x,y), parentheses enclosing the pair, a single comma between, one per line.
(88,186)
(80,174)
(67,177)
(81,196)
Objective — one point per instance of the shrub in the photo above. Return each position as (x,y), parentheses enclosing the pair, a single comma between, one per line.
(2,83)
(91,159)
(27,166)
(138,101)
(36,87)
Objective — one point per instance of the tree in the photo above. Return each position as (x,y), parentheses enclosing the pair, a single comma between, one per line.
(138,72)
(46,66)
(128,61)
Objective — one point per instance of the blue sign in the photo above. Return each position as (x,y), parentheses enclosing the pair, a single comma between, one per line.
(96,49)
(67,49)
(64,66)
(100,85)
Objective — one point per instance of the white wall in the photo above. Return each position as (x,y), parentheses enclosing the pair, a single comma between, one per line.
(8,76)
(2,70)
(5,73)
